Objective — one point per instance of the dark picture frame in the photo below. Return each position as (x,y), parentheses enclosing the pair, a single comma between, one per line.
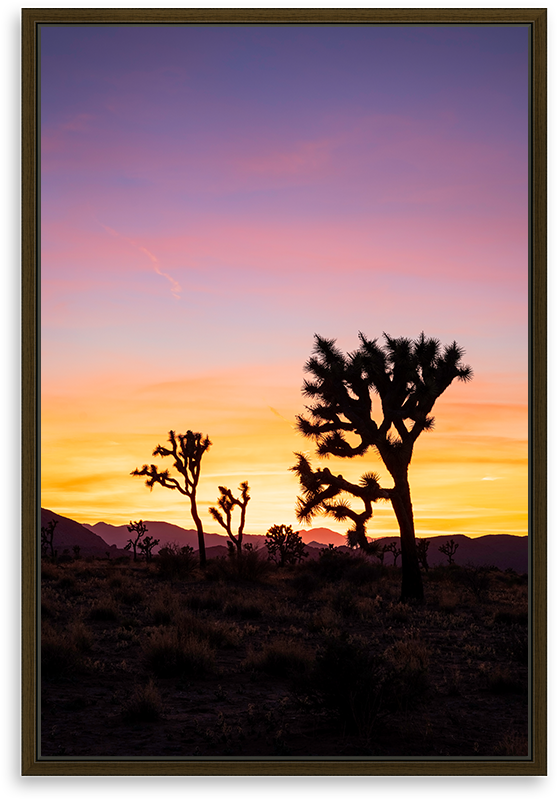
(32,764)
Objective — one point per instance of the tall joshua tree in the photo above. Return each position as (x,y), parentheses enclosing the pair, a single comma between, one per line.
(226,504)
(187,450)
(407,377)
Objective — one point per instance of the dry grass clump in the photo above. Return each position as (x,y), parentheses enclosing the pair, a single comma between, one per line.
(49,571)
(347,680)
(499,679)
(104,610)
(408,679)
(124,591)
(172,653)
(212,599)
(244,607)
(281,658)
(163,607)
(326,619)
(144,705)
(216,632)
(62,652)
(511,617)
(513,744)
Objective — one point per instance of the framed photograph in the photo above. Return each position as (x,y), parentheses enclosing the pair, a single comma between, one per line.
(284,369)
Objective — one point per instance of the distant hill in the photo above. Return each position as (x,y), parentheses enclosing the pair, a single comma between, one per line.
(166,532)
(69,533)
(498,550)
(323,536)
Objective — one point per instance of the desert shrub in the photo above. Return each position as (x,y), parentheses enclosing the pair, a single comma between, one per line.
(348,679)
(50,602)
(80,635)
(144,705)
(447,600)
(104,610)
(174,562)
(513,744)
(128,594)
(513,644)
(343,600)
(475,579)
(326,619)
(67,584)
(163,607)
(171,653)
(332,564)
(61,653)
(453,681)
(305,582)
(284,546)
(281,658)
(244,607)
(216,632)
(249,567)
(407,676)
(399,613)
(500,680)
(362,572)
(203,600)
(507,617)
(49,571)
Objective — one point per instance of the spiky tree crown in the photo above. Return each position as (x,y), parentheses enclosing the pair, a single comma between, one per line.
(407,375)
(187,450)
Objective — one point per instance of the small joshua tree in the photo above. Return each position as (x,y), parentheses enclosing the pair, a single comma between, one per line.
(226,503)
(140,529)
(187,451)
(449,549)
(146,546)
(380,554)
(284,546)
(393,548)
(422,551)
(47,537)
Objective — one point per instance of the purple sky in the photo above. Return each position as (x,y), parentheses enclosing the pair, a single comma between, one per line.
(214,196)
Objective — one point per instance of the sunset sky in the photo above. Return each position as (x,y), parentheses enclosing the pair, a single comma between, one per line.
(212,197)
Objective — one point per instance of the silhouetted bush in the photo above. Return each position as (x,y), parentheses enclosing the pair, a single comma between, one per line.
(173,561)
(249,567)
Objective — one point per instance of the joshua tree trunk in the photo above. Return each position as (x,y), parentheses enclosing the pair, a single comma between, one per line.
(199,528)
(411,578)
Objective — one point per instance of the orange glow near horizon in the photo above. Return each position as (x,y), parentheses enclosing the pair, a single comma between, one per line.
(467,476)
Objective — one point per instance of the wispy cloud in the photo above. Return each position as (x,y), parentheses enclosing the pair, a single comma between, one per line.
(175,286)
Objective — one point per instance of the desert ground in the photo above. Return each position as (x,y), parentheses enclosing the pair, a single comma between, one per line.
(244,658)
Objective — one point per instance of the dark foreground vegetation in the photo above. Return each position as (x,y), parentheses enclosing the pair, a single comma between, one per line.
(244,658)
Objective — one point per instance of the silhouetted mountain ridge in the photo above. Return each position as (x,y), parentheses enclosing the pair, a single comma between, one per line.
(500,550)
